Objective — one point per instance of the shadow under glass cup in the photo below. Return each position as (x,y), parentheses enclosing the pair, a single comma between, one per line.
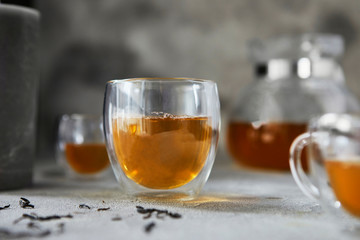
(81,146)
(161,134)
(333,144)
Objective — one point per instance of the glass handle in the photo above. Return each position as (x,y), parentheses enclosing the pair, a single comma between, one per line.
(301,179)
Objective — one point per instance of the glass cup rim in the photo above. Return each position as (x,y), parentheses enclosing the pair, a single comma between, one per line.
(343,123)
(80,116)
(160,79)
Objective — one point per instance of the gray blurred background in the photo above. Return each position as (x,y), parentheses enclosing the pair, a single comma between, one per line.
(88,42)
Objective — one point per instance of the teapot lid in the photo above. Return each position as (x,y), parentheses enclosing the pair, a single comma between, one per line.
(293,47)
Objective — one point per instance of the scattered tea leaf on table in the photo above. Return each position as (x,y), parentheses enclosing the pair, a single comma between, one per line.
(84,206)
(7,234)
(116,219)
(103,209)
(149,227)
(159,213)
(35,217)
(25,203)
(5,207)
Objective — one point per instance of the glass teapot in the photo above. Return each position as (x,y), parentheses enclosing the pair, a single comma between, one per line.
(296,78)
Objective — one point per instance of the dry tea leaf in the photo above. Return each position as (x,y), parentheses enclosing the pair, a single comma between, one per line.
(159,213)
(84,206)
(149,227)
(25,203)
(5,207)
(103,209)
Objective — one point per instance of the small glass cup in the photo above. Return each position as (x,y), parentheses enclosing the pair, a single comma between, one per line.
(333,147)
(81,146)
(161,134)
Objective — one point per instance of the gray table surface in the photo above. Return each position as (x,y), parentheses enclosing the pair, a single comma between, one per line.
(234,204)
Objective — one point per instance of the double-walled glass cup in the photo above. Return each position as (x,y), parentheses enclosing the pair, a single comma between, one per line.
(333,144)
(81,146)
(161,134)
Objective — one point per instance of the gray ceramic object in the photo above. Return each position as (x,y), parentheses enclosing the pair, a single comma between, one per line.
(18,94)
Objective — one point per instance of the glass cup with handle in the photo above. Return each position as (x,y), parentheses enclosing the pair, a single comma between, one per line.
(333,148)
(161,134)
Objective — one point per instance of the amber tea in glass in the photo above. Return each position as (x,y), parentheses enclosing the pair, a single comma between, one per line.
(162,152)
(161,134)
(344,178)
(87,158)
(263,145)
